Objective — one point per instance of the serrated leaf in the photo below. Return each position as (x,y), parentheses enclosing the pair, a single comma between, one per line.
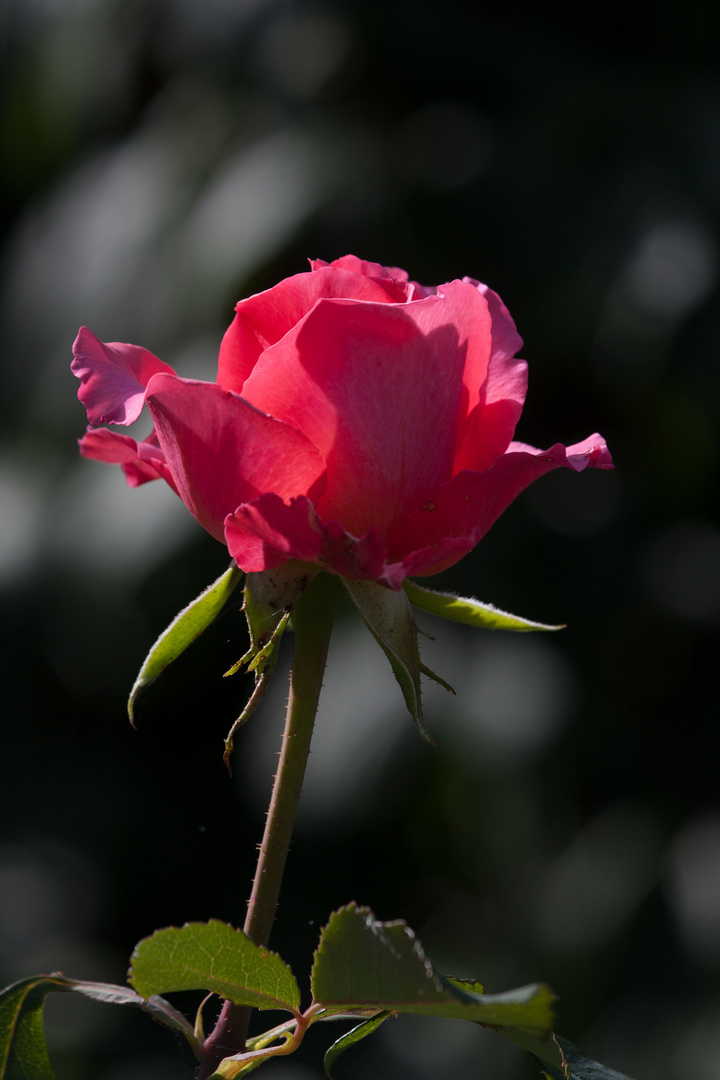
(471,986)
(388,616)
(213,956)
(350,1038)
(463,609)
(361,962)
(23,1051)
(183,630)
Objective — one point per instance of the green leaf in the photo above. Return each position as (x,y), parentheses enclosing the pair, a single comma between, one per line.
(544,1048)
(361,962)
(183,630)
(471,612)
(560,1059)
(582,1068)
(23,1052)
(469,986)
(569,1063)
(156,1007)
(388,616)
(350,1038)
(213,956)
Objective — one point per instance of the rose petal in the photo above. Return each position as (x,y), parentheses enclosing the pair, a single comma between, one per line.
(430,560)
(222,452)
(506,341)
(592,451)
(113,377)
(141,461)
(367,269)
(263,319)
(491,424)
(358,560)
(376,388)
(464,508)
(494,383)
(267,532)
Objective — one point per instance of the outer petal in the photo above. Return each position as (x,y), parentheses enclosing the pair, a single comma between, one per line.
(222,452)
(490,426)
(263,319)
(496,389)
(462,511)
(113,377)
(362,559)
(141,461)
(268,532)
(506,341)
(376,388)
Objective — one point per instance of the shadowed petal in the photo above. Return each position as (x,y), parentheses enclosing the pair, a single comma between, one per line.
(462,510)
(491,424)
(222,452)
(497,392)
(506,341)
(113,377)
(376,388)
(362,559)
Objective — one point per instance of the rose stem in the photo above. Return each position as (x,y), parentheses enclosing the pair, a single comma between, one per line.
(313,618)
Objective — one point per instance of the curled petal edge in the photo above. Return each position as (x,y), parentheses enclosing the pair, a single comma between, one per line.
(141,461)
(113,377)
(464,509)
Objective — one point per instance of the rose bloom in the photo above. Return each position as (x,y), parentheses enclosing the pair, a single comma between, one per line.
(359,421)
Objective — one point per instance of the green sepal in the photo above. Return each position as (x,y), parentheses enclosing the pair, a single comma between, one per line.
(270,596)
(462,609)
(217,957)
(23,1050)
(350,1038)
(183,630)
(363,963)
(436,678)
(388,616)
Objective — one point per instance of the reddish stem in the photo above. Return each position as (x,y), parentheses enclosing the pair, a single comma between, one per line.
(313,618)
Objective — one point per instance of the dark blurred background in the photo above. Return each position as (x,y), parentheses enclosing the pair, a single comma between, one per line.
(162,159)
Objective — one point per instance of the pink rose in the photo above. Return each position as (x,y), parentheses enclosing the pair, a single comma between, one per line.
(359,421)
